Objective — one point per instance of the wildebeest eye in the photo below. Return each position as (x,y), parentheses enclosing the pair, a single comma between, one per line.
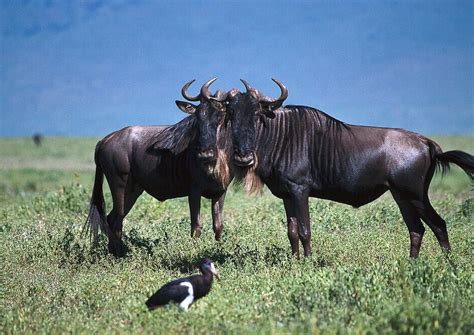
(218,105)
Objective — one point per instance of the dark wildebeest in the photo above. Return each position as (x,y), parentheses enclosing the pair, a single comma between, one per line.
(187,159)
(301,152)
(38,139)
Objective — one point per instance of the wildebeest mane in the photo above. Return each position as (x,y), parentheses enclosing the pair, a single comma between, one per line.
(176,138)
(330,123)
(302,122)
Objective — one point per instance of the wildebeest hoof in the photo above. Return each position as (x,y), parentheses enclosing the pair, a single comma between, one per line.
(117,249)
(196,233)
(218,235)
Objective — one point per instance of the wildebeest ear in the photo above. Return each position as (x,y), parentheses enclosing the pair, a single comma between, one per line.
(269,113)
(269,106)
(267,110)
(186,106)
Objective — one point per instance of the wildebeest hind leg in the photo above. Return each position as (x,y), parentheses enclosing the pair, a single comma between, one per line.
(116,246)
(292,227)
(435,222)
(131,196)
(124,195)
(413,223)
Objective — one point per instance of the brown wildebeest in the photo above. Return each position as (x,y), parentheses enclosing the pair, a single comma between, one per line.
(301,152)
(189,158)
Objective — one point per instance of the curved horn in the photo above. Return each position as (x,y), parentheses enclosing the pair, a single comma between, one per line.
(184,92)
(246,84)
(284,91)
(205,89)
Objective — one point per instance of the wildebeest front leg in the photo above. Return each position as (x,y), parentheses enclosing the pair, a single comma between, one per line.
(194,200)
(300,204)
(292,227)
(217,222)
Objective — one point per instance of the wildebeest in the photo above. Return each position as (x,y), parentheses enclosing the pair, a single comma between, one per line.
(186,159)
(301,152)
(37,139)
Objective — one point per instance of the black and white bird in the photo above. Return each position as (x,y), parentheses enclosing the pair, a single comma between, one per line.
(186,290)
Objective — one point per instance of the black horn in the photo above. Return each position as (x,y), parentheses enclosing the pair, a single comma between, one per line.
(184,92)
(284,91)
(205,89)
(246,84)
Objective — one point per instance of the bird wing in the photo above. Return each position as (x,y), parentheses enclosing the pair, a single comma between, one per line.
(173,291)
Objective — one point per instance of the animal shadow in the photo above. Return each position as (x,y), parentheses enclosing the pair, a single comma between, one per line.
(239,257)
(135,241)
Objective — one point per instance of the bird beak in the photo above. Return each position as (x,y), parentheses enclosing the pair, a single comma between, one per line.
(215,272)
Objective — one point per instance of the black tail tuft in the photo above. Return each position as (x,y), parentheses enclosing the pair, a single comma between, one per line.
(464,160)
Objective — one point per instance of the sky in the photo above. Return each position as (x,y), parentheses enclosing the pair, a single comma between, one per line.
(89,67)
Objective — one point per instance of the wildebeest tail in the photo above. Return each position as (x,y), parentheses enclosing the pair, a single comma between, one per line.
(96,217)
(462,159)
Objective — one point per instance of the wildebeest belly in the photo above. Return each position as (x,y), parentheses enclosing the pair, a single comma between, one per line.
(167,191)
(355,198)
(357,193)
(163,184)
(355,187)
(164,191)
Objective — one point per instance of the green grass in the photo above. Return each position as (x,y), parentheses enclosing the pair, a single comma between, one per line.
(359,279)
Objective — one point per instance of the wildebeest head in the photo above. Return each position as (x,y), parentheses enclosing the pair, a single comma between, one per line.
(210,114)
(245,110)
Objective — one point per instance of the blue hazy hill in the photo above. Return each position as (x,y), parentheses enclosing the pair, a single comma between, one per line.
(89,67)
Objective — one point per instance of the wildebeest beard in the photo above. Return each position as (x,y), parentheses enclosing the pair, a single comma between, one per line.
(220,169)
(248,178)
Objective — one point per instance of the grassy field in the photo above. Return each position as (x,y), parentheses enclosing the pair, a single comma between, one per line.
(359,279)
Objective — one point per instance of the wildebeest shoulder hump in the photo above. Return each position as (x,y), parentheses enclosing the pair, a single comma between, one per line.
(175,138)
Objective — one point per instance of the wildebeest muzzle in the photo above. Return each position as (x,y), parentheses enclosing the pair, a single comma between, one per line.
(207,155)
(243,160)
